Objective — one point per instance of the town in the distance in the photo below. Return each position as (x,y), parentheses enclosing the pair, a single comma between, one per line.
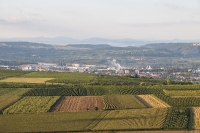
(175,61)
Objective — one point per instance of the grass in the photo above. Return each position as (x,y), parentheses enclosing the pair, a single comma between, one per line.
(133,119)
(13,91)
(33,104)
(26,80)
(7,100)
(122,102)
(49,122)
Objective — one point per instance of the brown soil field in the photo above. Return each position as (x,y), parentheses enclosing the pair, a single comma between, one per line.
(151,101)
(78,103)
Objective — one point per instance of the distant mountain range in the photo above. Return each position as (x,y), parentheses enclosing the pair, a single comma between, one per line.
(156,54)
(61,40)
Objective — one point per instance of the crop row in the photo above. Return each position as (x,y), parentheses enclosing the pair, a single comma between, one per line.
(122,102)
(148,118)
(177,118)
(183,92)
(32,105)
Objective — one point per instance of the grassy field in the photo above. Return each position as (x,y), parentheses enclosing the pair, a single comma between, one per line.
(122,102)
(32,105)
(7,100)
(133,119)
(13,91)
(48,122)
(10,73)
(64,77)
(27,80)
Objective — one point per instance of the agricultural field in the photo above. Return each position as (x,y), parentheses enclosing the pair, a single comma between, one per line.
(32,105)
(151,101)
(9,73)
(122,102)
(78,103)
(27,80)
(196,118)
(13,91)
(7,100)
(64,77)
(178,118)
(182,92)
(48,122)
(133,119)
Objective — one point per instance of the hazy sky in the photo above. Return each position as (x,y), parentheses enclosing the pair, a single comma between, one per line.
(112,19)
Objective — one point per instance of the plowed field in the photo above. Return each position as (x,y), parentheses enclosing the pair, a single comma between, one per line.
(79,103)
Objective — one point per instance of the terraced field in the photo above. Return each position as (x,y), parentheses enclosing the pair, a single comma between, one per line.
(26,80)
(152,102)
(32,104)
(78,103)
(149,118)
(122,102)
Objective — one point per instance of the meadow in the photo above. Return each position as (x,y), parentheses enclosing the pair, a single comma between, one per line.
(79,102)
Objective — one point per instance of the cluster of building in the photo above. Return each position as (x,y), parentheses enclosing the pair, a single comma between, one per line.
(113,68)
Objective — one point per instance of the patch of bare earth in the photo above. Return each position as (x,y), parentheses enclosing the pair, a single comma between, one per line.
(79,103)
(151,101)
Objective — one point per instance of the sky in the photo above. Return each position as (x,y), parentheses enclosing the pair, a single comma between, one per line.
(111,19)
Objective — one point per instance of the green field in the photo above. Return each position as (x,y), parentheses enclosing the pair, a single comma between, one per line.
(25,106)
(9,73)
(122,102)
(13,91)
(63,77)
(47,122)
(182,92)
(31,105)
(133,119)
